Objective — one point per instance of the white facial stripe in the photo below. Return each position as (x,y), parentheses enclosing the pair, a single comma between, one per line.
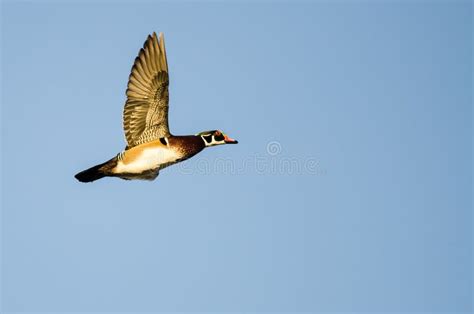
(213,142)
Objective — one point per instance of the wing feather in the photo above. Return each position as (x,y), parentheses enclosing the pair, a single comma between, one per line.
(145,114)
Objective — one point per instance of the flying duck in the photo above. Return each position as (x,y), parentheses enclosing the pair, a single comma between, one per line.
(150,145)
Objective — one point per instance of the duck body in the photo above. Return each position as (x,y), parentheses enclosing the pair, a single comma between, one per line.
(146,160)
(143,162)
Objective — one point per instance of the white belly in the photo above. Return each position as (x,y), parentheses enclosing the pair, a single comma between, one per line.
(150,158)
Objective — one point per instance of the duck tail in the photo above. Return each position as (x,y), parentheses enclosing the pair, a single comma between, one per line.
(93,173)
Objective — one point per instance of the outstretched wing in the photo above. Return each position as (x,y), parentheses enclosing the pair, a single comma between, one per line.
(145,115)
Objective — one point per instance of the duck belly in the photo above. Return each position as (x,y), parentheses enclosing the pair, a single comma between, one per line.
(146,160)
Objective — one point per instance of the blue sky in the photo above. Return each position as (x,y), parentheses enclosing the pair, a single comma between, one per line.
(350,189)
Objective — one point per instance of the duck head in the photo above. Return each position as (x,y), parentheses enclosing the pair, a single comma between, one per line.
(215,137)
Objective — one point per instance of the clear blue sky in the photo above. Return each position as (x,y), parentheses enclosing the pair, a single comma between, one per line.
(368,106)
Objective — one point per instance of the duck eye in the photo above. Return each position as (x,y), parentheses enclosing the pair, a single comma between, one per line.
(219,137)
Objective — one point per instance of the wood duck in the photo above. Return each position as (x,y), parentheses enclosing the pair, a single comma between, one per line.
(150,145)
